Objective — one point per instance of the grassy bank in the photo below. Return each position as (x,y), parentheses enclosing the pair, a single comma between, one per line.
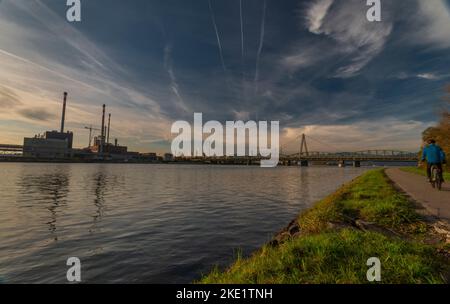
(422,172)
(332,242)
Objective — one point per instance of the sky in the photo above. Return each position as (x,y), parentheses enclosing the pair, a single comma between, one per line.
(319,67)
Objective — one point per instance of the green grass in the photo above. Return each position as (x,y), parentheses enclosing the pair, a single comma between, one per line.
(371,198)
(323,254)
(421,171)
(335,257)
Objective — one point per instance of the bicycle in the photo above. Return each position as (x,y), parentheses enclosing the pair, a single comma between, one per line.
(436,181)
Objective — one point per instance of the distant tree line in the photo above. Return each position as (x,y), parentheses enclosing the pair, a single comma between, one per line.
(441,132)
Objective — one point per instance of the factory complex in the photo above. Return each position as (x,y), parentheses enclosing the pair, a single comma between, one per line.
(58,146)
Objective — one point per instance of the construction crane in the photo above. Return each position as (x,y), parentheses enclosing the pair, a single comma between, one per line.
(90,128)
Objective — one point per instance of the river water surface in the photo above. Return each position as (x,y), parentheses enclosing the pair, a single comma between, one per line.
(145,223)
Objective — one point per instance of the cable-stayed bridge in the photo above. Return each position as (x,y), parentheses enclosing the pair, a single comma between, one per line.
(304,157)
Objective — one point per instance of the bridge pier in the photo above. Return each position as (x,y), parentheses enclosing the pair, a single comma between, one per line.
(341,164)
(304,163)
(356,164)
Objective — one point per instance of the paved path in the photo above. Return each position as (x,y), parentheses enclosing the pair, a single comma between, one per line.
(416,186)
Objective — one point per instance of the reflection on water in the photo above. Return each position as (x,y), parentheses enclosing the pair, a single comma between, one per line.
(99,201)
(52,189)
(143,223)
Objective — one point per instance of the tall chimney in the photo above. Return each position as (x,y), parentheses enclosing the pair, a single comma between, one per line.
(115,142)
(63,118)
(109,127)
(103,130)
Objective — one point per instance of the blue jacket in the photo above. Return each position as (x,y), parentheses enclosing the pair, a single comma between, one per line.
(433,154)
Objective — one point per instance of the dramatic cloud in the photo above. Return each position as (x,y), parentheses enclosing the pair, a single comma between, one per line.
(168,64)
(8,99)
(303,56)
(428,76)
(425,76)
(320,68)
(316,14)
(42,59)
(39,114)
(394,134)
(346,24)
(434,28)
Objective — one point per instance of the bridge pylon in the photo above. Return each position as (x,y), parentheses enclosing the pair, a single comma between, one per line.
(304,145)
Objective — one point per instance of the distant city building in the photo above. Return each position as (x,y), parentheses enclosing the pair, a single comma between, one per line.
(151,157)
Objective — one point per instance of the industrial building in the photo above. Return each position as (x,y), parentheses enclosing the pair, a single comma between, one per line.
(41,147)
(68,137)
(52,144)
(59,145)
(106,150)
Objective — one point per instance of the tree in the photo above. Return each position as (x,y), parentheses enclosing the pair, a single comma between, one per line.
(441,132)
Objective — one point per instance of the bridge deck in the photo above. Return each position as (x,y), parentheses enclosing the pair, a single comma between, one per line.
(352,158)
(11,148)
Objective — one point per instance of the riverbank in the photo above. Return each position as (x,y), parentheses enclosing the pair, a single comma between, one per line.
(332,242)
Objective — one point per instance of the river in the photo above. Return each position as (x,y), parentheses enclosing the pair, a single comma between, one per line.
(145,223)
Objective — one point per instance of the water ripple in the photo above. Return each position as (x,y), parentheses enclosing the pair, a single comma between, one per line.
(145,223)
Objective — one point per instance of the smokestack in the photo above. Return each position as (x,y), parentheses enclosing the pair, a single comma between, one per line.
(115,142)
(109,127)
(103,130)
(63,118)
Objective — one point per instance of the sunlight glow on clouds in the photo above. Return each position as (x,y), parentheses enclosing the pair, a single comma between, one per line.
(37,79)
(316,14)
(393,133)
(435,28)
(321,64)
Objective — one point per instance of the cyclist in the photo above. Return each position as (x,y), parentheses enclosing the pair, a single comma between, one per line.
(434,156)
